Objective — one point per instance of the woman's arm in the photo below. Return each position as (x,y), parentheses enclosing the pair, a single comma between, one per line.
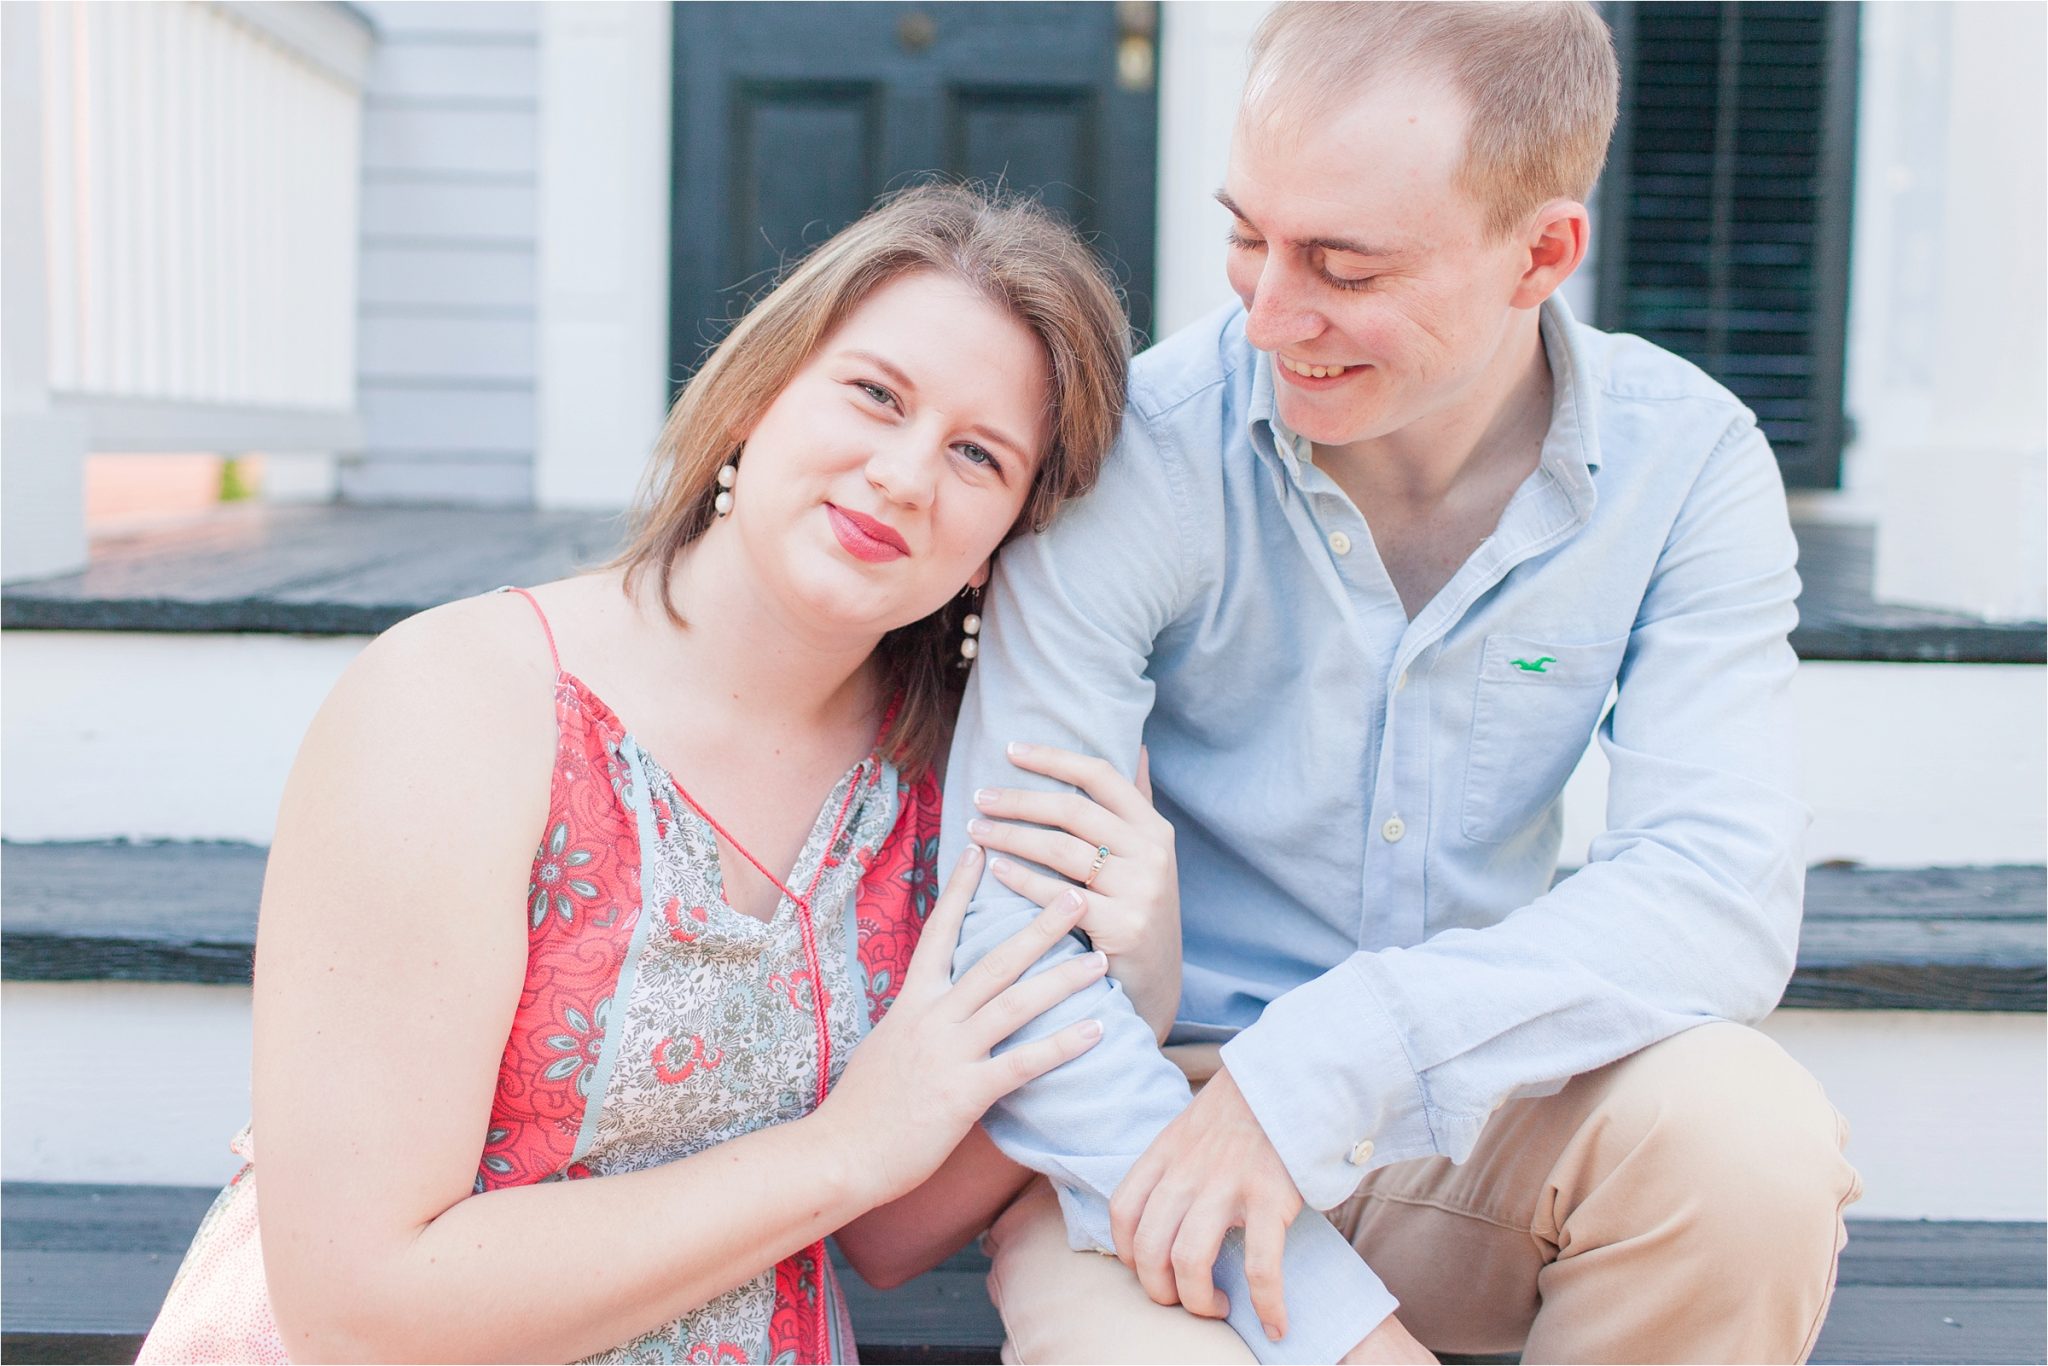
(389,963)
(1133,916)
(896,1242)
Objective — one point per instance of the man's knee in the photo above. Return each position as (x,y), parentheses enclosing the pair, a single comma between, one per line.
(1730,1126)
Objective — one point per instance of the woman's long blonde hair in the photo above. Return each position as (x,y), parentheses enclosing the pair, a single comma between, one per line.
(1017,255)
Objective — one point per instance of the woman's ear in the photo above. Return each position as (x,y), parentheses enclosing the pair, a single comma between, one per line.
(979,578)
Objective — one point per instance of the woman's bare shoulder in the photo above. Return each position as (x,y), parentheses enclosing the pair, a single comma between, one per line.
(488,652)
(467,684)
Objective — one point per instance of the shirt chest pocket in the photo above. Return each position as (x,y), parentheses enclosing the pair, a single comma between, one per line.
(1532,714)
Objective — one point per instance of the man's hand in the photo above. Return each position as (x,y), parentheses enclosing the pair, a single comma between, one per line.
(1211,1170)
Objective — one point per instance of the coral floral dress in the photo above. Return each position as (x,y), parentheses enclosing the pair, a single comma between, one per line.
(655,1022)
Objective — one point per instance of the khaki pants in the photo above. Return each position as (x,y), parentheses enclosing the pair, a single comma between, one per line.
(1682,1204)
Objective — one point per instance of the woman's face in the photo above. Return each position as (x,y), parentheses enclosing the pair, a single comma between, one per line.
(885,473)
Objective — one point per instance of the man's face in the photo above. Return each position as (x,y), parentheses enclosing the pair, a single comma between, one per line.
(1357,255)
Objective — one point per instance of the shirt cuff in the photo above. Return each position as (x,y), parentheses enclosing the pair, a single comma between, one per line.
(1326,1074)
(1333,1298)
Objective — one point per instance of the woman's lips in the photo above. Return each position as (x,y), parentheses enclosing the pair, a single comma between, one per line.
(864,538)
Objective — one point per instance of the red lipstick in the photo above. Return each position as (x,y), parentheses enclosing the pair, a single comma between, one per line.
(864,538)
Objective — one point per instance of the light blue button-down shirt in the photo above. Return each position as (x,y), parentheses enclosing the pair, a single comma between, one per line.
(1367,808)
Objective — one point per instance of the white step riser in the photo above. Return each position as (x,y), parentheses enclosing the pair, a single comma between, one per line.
(190,737)
(126,735)
(121,1082)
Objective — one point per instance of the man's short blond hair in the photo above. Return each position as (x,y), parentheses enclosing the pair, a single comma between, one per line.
(1540,79)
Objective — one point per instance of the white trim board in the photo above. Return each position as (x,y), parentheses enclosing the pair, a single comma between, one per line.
(127,735)
(110,735)
(1906,765)
(147,1082)
(1946,1111)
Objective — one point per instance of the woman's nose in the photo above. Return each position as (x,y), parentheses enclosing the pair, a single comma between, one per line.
(905,470)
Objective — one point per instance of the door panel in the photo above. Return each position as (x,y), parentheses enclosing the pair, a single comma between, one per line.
(830,130)
(1038,138)
(791,118)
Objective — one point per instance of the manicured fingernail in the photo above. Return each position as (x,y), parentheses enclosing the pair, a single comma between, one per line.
(1091,1029)
(1001,866)
(971,854)
(1272,1333)
(986,797)
(1070,900)
(980,829)
(1018,749)
(1100,960)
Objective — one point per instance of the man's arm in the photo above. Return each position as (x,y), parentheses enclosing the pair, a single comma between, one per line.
(1070,621)
(1688,909)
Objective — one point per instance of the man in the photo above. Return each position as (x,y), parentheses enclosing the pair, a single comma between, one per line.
(1371,554)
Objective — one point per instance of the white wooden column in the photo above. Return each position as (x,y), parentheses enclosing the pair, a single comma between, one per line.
(1202,60)
(602,385)
(1946,331)
(42,452)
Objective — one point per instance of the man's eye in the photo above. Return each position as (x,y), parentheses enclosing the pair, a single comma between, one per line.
(1243,243)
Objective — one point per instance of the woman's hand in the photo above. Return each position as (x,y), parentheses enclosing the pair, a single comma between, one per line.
(923,1077)
(1133,898)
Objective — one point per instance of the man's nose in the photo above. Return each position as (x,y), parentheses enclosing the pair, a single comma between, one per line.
(1280,314)
(905,470)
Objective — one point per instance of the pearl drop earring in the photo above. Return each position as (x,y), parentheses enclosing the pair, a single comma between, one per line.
(970,626)
(727,474)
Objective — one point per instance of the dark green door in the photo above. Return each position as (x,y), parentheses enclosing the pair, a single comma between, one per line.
(791,118)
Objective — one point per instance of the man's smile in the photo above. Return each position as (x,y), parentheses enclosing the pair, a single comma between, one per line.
(1308,375)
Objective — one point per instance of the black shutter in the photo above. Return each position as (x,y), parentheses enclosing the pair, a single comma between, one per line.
(1725,207)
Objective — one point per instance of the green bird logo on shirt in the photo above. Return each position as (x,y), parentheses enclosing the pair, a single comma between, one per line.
(1534,666)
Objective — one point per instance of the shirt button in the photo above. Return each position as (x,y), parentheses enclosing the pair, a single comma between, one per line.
(1340,543)
(1394,829)
(1402,681)
(1362,1154)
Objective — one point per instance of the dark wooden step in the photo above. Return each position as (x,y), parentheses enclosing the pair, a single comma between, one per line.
(1840,620)
(1874,939)
(340,569)
(170,912)
(326,569)
(1923,939)
(86,1268)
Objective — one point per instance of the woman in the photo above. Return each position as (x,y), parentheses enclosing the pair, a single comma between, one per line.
(763,682)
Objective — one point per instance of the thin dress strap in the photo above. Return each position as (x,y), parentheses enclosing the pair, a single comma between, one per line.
(547,630)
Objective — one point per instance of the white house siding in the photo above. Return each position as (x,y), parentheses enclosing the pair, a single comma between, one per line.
(446,355)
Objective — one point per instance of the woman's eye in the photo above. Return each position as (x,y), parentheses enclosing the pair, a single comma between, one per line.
(976,455)
(876,392)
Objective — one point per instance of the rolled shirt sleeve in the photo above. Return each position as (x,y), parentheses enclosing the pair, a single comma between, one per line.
(1069,625)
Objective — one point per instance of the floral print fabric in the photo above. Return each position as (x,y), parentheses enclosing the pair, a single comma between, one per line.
(656,1021)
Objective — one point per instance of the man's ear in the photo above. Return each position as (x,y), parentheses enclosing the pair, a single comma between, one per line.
(1556,240)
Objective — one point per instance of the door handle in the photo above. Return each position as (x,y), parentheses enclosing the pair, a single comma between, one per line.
(1137,27)
(916,31)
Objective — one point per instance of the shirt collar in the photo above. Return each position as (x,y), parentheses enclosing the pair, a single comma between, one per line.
(1571,449)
